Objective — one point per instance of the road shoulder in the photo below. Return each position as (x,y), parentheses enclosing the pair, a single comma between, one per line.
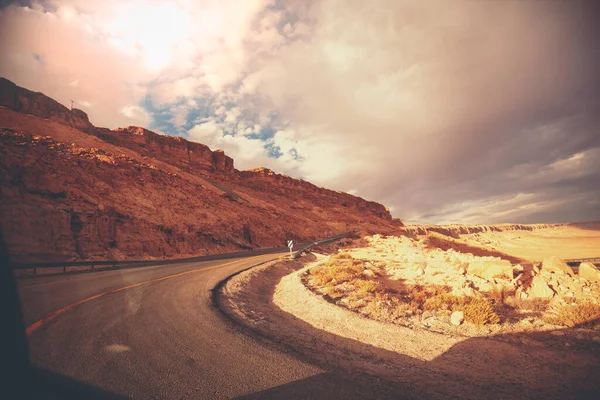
(271,301)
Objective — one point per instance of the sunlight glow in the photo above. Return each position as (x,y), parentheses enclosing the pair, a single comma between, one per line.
(152,29)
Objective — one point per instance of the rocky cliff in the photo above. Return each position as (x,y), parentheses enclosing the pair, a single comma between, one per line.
(38,104)
(71,190)
(457,230)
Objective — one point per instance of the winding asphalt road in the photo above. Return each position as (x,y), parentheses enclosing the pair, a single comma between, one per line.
(153,332)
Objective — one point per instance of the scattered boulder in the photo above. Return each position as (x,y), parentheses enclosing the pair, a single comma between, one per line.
(557,265)
(368,273)
(589,271)
(426,315)
(540,289)
(518,268)
(517,280)
(491,269)
(457,318)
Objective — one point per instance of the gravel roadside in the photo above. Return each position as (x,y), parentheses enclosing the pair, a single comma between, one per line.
(272,301)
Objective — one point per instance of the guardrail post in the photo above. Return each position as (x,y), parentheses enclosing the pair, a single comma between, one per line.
(34,268)
(64,268)
(92,266)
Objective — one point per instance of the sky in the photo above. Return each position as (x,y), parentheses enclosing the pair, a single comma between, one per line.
(444,111)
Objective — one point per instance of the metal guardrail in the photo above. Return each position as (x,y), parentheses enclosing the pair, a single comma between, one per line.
(592,260)
(321,242)
(576,261)
(115,264)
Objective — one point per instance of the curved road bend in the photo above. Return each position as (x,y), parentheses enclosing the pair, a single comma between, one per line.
(153,333)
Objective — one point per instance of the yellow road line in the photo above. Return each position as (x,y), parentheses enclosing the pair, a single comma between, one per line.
(36,325)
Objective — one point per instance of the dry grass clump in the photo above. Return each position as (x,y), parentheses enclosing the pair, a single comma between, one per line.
(580,315)
(340,268)
(342,256)
(445,301)
(498,294)
(333,292)
(479,311)
(364,286)
(534,304)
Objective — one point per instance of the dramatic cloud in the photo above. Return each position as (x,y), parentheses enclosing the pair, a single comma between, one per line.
(444,111)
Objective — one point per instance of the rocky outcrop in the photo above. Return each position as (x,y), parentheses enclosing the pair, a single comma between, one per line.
(539,288)
(25,101)
(589,271)
(189,156)
(491,269)
(556,265)
(457,230)
(286,183)
(222,162)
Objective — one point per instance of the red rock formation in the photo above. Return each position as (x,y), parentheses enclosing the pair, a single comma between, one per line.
(187,155)
(74,191)
(221,162)
(25,101)
(265,177)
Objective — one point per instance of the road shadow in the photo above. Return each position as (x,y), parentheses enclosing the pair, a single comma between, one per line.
(556,364)
(326,386)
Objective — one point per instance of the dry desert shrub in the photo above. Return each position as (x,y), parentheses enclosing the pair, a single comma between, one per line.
(432,298)
(320,276)
(444,301)
(336,271)
(333,292)
(479,311)
(364,286)
(342,256)
(580,315)
(534,304)
(386,307)
(499,294)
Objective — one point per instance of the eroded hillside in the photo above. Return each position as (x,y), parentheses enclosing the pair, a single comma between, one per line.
(71,190)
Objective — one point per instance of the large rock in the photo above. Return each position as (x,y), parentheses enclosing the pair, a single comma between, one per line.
(539,289)
(489,269)
(557,265)
(589,271)
(457,318)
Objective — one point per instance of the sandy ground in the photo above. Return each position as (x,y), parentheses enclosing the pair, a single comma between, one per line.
(567,242)
(419,363)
